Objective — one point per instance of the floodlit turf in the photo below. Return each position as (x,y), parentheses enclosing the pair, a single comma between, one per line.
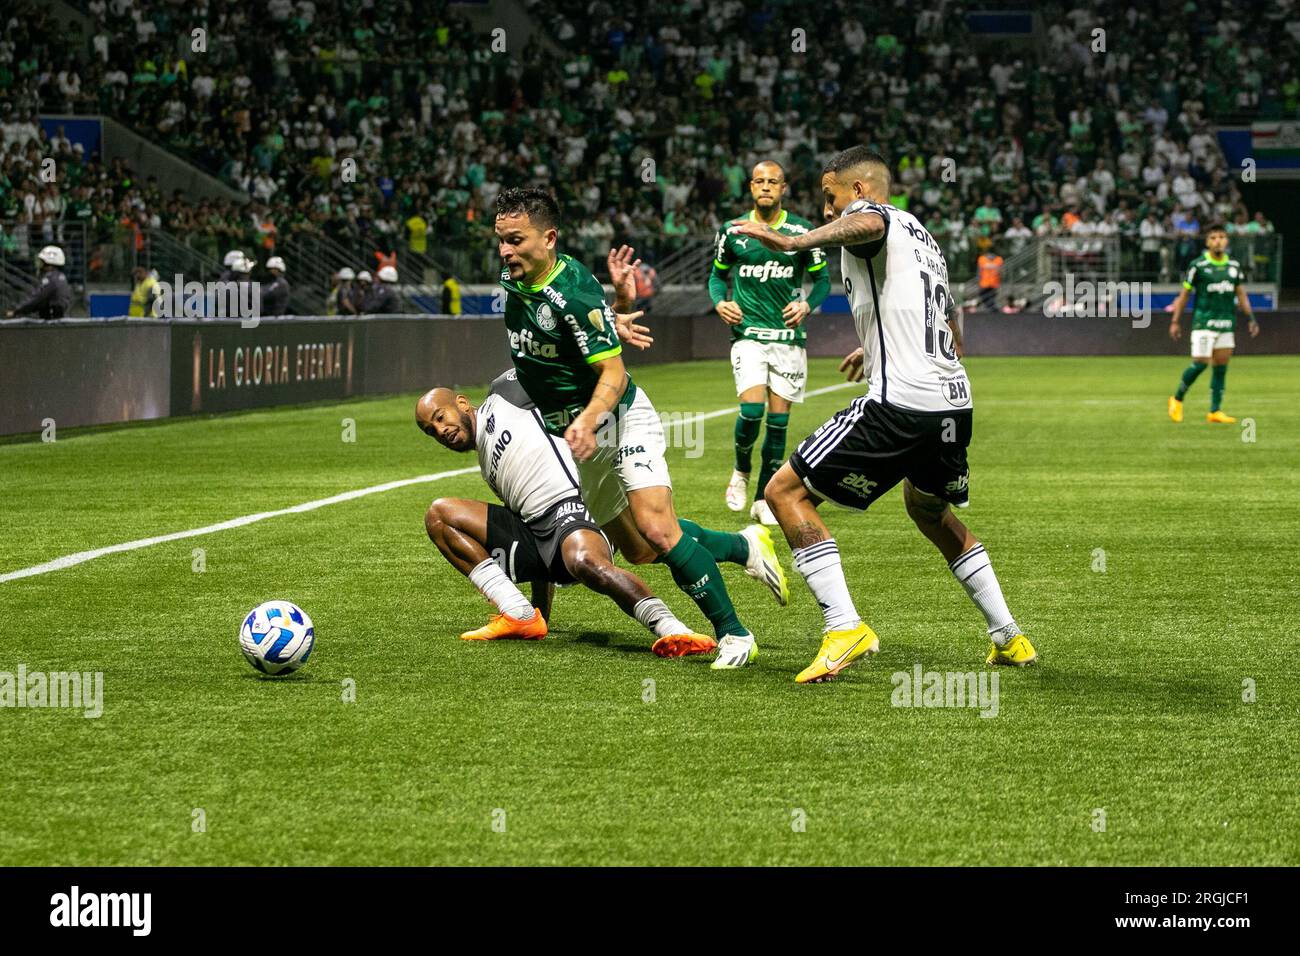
(1136,710)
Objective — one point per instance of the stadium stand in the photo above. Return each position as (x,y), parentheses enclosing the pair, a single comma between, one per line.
(1036,138)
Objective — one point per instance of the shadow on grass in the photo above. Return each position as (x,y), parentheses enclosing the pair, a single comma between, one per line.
(1157,694)
(1103,685)
(602,640)
(296,677)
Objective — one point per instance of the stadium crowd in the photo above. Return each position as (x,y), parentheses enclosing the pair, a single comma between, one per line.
(644,119)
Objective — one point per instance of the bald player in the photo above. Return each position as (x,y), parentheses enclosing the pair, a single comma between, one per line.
(913,425)
(769,345)
(543,535)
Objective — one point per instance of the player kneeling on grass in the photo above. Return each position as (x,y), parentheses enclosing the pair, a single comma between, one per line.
(544,535)
(913,425)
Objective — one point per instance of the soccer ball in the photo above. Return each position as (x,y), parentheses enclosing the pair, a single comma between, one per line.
(277,637)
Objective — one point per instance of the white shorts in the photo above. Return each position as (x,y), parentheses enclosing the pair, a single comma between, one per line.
(779,367)
(1205,341)
(628,457)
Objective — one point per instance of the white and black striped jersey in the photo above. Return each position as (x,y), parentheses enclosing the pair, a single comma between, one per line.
(898,291)
(530,469)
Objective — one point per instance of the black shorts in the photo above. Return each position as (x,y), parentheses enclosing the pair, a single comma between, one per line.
(866,449)
(530,551)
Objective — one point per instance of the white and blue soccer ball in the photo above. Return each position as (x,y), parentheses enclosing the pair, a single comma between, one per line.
(277,637)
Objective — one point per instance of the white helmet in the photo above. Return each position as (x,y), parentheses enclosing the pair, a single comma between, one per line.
(363,276)
(244,265)
(51,256)
(232,258)
(346,274)
(275,262)
(387,274)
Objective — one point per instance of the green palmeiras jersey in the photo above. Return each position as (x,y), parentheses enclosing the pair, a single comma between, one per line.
(558,329)
(764,281)
(1214,283)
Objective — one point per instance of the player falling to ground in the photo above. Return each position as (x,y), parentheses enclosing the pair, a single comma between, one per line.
(769,355)
(913,425)
(544,535)
(564,341)
(1219,285)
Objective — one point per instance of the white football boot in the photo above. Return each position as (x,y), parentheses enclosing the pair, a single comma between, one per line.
(761,513)
(734,650)
(737,491)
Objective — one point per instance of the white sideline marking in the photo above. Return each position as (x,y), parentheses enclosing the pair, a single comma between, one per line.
(70,560)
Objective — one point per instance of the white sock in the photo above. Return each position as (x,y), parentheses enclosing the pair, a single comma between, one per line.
(501,591)
(655,616)
(820,566)
(975,572)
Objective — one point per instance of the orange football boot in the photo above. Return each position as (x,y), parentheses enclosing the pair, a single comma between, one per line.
(504,627)
(680,645)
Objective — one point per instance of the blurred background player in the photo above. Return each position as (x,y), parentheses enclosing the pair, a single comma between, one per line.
(565,344)
(913,425)
(1219,285)
(544,535)
(766,312)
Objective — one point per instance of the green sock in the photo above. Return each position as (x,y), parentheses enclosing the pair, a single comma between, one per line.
(748,423)
(696,573)
(773,449)
(1218,376)
(723,545)
(1190,374)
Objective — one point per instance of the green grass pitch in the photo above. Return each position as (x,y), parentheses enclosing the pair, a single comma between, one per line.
(1137,708)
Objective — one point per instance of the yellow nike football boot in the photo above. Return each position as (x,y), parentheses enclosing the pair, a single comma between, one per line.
(1017,652)
(505,627)
(1218,418)
(839,649)
(1175,409)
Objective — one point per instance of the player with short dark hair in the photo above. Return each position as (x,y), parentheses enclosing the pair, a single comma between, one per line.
(565,344)
(913,425)
(1220,286)
(766,313)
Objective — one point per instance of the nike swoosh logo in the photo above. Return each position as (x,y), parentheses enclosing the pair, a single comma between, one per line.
(840,660)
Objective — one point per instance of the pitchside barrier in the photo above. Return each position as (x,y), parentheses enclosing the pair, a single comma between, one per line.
(76,372)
